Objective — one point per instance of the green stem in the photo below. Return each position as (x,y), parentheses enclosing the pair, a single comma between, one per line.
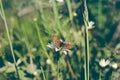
(70,10)
(58,71)
(42,45)
(56,15)
(100,77)
(86,21)
(41,41)
(9,39)
(43,73)
(99,13)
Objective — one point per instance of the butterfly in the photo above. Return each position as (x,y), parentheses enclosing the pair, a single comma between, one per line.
(58,44)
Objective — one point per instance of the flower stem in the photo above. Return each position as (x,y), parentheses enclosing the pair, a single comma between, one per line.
(44,78)
(43,45)
(69,67)
(86,20)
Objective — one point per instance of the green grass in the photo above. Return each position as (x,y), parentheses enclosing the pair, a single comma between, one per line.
(9,39)
(24,40)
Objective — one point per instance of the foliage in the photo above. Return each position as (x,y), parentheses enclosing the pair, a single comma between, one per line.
(33,23)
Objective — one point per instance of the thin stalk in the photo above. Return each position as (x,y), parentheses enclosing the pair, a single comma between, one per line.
(43,74)
(42,45)
(100,13)
(69,67)
(69,10)
(25,37)
(47,74)
(86,21)
(58,71)
(56,15)
(41,41)
(9,39)
(100,76)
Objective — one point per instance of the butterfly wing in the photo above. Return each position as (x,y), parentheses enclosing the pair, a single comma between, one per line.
(56,41)
(67,46)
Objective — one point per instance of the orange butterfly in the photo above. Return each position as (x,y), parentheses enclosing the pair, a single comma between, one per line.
(61,45)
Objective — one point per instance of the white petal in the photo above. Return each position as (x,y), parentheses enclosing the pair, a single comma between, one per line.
(57,49)
(114,65)
(60,0)
(91,25)
(103,62)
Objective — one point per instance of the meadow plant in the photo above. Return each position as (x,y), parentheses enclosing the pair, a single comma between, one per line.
(59,40)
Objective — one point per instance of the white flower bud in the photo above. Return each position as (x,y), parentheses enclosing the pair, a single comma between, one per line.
(48,61)
(114,65)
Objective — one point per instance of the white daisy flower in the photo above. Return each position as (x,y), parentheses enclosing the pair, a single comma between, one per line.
(91,25)
(104,63)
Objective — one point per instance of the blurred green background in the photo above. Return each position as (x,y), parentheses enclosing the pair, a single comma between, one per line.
(33,23)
